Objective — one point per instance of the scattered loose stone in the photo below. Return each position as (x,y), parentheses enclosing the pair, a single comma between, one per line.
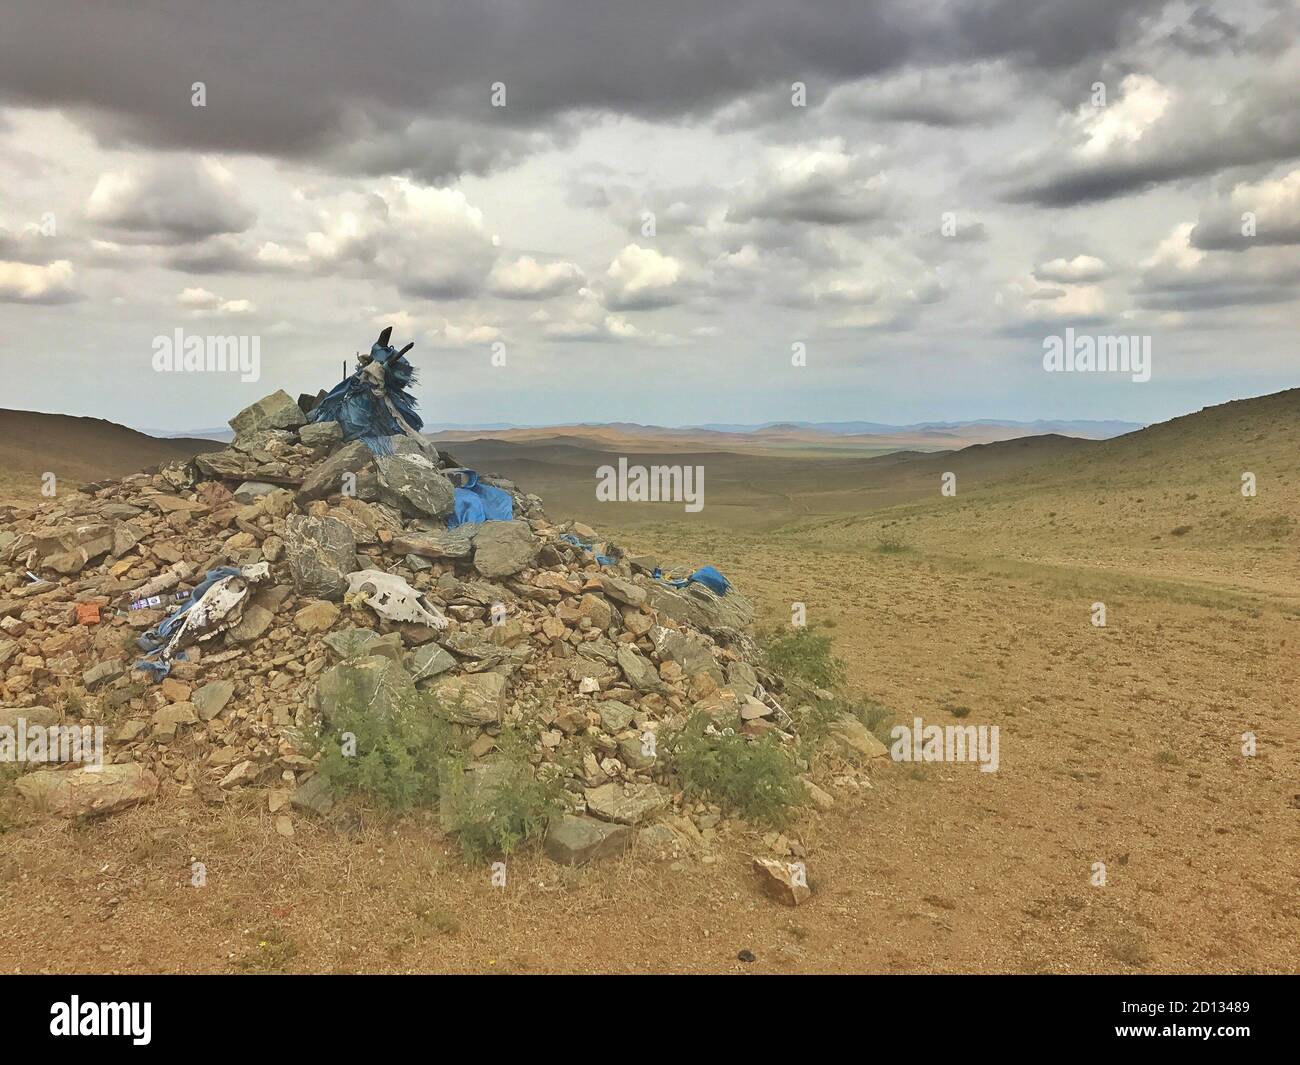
(784,881)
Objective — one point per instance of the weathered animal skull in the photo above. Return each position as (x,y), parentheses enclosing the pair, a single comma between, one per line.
(389,596)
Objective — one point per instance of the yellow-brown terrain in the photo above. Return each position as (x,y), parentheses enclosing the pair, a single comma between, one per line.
(1120,744)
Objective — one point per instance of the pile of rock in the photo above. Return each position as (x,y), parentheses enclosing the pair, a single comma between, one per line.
(593,660)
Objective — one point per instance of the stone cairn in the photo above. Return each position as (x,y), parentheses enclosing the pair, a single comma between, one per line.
(539,637)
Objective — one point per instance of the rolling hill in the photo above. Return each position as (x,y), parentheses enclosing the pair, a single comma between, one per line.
(77,449)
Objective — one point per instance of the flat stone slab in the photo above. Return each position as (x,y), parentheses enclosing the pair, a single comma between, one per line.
(577,840)
(88,792)
(626,804)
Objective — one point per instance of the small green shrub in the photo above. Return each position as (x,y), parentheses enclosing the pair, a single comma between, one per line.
(892,544)
(804,654)
(396,758)
(878,718)
(491,822)
(756,779)
(815,722)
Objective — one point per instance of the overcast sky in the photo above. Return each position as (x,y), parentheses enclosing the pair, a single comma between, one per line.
(962,180)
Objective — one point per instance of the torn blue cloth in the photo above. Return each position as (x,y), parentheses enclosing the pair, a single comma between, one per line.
(709,576)
(363,414)
(603,560)
(476,502)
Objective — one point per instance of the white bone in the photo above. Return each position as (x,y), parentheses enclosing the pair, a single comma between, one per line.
(389,596)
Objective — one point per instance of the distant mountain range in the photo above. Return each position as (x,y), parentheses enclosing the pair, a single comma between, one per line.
(1077,428)
(961,433)
(1094,430)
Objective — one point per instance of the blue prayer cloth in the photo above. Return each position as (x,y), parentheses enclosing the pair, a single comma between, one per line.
(476,502)
(365,416)
(709,576)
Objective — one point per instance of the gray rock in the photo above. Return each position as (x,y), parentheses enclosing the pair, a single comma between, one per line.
(692,655)
(313,797)
(615,716)
(502,548)
(626,804)
(212,698)
(321,552)
(33,715)
(471,699)
(698,607)
(428,661)
(326,477)
(622,590)
(855,738)
(251,490)
(228,464)
(574,840)
(261,439)
(658,840)
(413,483)
(100,674)
(376,685)
(168,719)
(639,670)
(445,543)
(254,623)
(631,752)
(276,411)
(741,678)
(362,643)
(321,435)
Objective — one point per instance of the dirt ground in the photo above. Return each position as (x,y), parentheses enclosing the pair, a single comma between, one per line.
(1120,745)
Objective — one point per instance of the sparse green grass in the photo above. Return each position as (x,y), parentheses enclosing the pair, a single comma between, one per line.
(805,655)
(271,953)
(392,759)
(492,822)
(756,779)
(892,543)
(411,758)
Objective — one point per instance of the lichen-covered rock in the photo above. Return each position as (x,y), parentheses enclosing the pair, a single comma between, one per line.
(327,477)
(700,608)
(639,670)
(279,410)
(503,548)
(321,434)
(627,804)
(362,643)
(471,699)
(321,553)
(574,840)
(376,685)
(412,483)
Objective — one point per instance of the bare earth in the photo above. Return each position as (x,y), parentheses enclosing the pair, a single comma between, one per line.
(1120,745)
